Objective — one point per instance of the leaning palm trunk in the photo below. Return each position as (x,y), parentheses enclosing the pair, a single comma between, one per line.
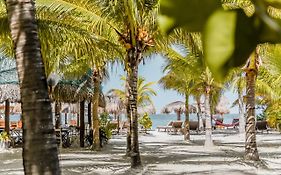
(186,122)
(199,118)
(128,111)
(95,121)
(134,57)
(208,138)
(241,113)
(251,152)
(40,154)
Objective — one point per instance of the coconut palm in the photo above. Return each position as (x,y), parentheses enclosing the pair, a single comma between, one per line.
(40,154)
(131,25)
(251,69)
(145,92)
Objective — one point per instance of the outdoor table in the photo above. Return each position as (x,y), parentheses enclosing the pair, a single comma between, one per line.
(62,135)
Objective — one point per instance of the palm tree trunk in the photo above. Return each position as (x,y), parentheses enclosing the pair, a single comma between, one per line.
(208,138)
(7,116)
(58,121)
(251,152)
(82,123)
(128,110)
(95,121)
(133,96)
(40,152)
(241,113)
(199,118)
(179,115)
(186,122)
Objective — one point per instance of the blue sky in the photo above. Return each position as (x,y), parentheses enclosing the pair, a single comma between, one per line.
(152,70)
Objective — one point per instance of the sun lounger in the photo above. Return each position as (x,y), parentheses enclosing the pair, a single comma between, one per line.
(2,123)
(176,128)
(262,125)
(165,128)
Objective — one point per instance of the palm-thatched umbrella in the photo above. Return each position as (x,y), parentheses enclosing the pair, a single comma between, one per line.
(9,92)
(221,107)
(9,88)
(178,107)
(150,109)
(114,105)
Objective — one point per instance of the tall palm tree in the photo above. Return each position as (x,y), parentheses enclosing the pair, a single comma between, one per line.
(182,84)
(40,154)
(251,69)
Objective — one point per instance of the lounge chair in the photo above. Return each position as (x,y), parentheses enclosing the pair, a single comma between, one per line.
(2,123)
(165,128)
(176,127)
(234,124)
(262,125)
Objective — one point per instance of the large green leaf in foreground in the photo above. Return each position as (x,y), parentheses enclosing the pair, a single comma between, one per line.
(191,14)
(229,38)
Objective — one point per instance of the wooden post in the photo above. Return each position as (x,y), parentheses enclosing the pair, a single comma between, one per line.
(90,114)
(7,116)
(82,123)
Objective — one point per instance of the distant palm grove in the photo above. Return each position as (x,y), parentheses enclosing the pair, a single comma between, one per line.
(64,48)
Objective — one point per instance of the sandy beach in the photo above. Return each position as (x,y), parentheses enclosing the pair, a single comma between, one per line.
(167,154)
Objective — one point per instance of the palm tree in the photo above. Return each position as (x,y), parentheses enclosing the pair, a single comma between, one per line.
(251,69)
(144,99)
(40,154)
(145,92)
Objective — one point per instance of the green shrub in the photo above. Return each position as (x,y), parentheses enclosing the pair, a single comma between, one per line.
(104,124)
(4,136)
(145,121)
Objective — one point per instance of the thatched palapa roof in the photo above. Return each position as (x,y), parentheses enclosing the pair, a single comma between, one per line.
(74,91)
(178,106)
(9,88)
(9,92)
(114,104)
(150,109)
(221,107)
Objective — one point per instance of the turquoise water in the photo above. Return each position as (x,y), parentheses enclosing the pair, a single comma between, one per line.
(164,119)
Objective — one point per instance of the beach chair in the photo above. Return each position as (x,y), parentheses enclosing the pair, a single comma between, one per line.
(2,123)
(261,125)
(176,127)
(165,128)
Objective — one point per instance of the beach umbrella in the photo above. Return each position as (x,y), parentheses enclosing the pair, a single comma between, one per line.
(222,106)
(150,109)
(9,88)
(9,92)
(114,105)
(178,107)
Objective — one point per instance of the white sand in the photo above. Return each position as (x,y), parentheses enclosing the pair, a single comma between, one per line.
(167,154)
